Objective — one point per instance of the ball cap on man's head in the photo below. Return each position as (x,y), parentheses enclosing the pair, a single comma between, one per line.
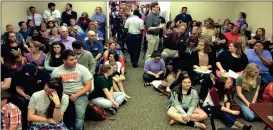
(29,68)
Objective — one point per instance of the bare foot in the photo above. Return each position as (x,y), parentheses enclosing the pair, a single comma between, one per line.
(202,126)
(172,122)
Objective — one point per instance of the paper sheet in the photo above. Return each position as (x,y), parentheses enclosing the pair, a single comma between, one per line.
(156,83)
(233,74)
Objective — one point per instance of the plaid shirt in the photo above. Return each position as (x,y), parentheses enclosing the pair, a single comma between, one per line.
(11,115)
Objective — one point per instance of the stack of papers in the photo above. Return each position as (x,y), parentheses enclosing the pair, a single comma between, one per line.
(202,71)
(233,74)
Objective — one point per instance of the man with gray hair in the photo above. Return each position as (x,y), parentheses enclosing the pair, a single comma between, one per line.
(94,46)
(65,39)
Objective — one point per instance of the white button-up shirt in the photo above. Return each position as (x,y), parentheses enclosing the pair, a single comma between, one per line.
(37,19)
(51,15)
(134,24)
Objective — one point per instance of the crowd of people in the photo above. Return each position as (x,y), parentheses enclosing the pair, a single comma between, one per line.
(57,64)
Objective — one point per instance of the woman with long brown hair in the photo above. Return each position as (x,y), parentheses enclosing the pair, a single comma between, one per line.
(47,107)
(84,21)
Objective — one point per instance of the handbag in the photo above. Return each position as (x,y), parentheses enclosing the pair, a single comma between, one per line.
(97,113)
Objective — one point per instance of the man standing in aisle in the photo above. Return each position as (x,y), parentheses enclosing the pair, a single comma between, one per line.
(153,27)
(135,26)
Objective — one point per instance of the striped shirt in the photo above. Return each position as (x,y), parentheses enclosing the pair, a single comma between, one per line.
(11,115)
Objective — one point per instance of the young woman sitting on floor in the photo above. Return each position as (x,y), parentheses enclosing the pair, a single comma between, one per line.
(247,90)
(153,69)
(46,107)
(118,80)
(184,105)
(104,95)
(218,102)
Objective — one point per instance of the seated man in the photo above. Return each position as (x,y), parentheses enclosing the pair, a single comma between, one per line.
(76,84)
(95,47)
(85,58)
(10,115)
(172,42)
(28,81)
(10,28)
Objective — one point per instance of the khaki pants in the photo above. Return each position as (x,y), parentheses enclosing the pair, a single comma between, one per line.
(153,42)
(168,53)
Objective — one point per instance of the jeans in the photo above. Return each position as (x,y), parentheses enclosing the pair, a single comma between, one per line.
(225,117)
(79,107)
(134,47)
(247,114)
(266,78)
(149,78)
(106,103)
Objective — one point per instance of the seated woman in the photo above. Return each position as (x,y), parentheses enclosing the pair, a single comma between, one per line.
(234,59)
(15,61)
(169,77)
(53,34)
(153,69)
(118,80)
(104,95)
(247,90)
(113,47)
(218,103)
(113,57)
(268,93)
(184,105)
(46,107)
(54,58)
(36,55)
(75,26)
(262,58)
(202,58)
(73,33)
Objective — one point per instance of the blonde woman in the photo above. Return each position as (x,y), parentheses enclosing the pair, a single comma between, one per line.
(36,55)
(209,30)
(247,89)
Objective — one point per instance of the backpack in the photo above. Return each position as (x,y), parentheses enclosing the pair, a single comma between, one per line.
(97,113)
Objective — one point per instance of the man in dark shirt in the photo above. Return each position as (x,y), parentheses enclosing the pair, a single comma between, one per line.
(153,27)
(5,78)
(28,81)
(68,14)
(184,17)
(24,30)
(162,21)
(173,42)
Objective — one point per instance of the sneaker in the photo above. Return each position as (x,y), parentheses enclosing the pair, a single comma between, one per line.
(112,111)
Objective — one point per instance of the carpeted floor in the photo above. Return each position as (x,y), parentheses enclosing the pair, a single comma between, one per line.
(147,108)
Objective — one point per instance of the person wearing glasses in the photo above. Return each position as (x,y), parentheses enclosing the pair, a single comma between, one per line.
(52,14)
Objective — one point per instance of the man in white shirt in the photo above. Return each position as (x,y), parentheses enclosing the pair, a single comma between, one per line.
(135,25)
(35,17)
(52,14)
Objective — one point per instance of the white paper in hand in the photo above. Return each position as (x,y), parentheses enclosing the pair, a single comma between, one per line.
(233,74)
(156,83)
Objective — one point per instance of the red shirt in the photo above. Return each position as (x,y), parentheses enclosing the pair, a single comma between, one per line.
(232,38)
(268,93)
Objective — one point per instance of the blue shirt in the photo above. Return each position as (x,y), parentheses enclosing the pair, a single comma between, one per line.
(94,48)
(25,34)
(101,19)
(254,58)
(78,37)
(240,23)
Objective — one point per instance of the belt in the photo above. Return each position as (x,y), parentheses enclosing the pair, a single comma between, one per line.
(153,34)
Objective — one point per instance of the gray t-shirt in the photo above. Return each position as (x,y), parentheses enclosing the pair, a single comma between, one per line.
(73,78)
(40,102)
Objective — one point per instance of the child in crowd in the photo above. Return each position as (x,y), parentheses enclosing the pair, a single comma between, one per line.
(10,113)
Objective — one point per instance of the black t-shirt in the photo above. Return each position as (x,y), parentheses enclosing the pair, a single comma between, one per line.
(5,73)
(32,86)
(6,49)
(229,62)
(163,21)
(101,83)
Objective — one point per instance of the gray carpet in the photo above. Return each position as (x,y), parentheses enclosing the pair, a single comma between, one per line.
(146,110)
